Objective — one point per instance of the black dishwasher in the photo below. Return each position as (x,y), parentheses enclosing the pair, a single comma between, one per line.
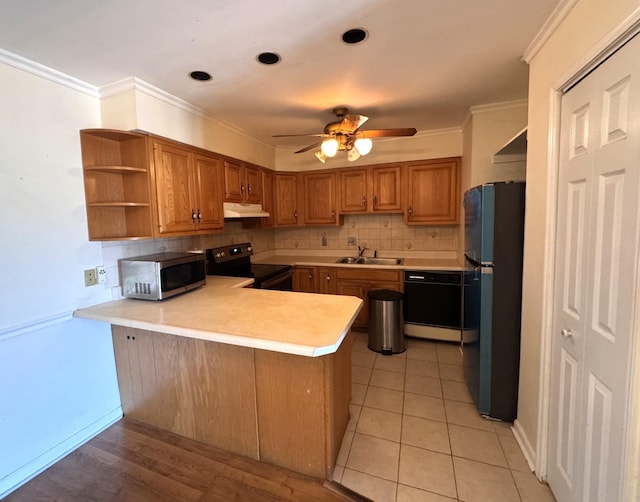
(433,304)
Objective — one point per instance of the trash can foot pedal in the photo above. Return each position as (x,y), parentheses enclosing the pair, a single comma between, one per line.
(386,352)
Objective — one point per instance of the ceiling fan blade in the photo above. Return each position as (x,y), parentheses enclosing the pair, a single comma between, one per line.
(321,135)
(380,133)
(350,122)
(310,147)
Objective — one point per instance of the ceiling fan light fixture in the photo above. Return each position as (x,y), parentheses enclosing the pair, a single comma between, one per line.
(363,145)
(353,154)
(321,156)
(329,147)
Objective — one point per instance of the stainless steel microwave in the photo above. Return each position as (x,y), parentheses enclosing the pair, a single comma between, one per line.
(162,275)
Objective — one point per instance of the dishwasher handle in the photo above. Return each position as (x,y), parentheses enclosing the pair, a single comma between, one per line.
(433,277)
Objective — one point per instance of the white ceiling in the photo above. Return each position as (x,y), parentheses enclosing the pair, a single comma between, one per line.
(424,64)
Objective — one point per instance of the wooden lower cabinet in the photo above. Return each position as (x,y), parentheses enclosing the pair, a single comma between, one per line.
(308,279)
(304,280)
(359,281)
(284,409)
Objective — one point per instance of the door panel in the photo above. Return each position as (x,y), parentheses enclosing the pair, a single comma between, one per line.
(595,280)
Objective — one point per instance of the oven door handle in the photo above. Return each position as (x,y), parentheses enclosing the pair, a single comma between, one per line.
(275,280)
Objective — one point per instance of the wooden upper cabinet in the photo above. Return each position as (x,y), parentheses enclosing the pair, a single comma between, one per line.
(116,184)
(386,189)
(375,189)
(188,190)
(253,180)
(354,190)
(242,182)
(268,198)
(286,212)
(175,188)
(209,181)
(320,198)
(432,195)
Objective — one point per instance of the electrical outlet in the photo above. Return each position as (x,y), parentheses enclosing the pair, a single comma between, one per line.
(324,240)
(90,278)
(101,274)
(351,241)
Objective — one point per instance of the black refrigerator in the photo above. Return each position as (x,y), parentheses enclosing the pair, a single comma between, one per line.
(494,235)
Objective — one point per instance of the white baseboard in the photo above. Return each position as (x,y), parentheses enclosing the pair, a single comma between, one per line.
(30,470)
(525,445)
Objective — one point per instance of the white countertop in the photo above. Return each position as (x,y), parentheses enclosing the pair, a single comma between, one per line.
(224,311)
(323,261)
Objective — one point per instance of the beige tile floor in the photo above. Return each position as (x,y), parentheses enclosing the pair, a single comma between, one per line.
(415,435)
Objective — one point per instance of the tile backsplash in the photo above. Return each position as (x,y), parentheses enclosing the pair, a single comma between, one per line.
(385,233)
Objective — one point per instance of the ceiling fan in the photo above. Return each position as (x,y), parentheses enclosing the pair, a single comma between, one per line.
(345,135)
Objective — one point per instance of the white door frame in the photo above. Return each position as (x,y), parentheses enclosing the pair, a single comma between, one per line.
(617,37)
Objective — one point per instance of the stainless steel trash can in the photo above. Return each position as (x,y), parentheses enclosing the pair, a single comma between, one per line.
(386,327)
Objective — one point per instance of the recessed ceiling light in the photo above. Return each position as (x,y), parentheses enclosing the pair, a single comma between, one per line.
(200,75)
(268,58)
(354,36)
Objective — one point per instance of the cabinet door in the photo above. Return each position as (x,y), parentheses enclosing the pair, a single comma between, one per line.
(268,197)
(433,192)
(233,181)
(359,289)
(353,191)
(286,200)
(253,184)
(325,281)
(208,174)
(386,191)
(320,198)
(304,280)
(175,190)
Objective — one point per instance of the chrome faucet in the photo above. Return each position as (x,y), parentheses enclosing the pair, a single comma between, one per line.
(361,251)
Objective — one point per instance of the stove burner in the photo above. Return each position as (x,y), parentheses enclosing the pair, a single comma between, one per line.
(235,261)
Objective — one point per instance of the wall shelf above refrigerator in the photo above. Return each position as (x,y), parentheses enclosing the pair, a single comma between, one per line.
(515,150)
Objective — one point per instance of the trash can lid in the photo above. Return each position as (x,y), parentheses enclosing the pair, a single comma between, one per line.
(385,294)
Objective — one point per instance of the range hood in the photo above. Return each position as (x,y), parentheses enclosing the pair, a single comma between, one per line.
(238,210)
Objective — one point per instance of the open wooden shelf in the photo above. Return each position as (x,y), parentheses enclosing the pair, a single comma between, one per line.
(116,183)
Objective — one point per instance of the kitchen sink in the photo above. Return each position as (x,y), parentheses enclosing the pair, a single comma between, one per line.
(370,261)
(349,259)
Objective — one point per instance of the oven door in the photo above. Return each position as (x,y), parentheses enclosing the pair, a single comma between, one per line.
(281,282)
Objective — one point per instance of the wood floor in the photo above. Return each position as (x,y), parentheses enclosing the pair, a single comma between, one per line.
(133,462)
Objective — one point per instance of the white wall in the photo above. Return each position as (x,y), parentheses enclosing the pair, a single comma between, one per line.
(134,104)
(57,374)
(492,126)
(588,23)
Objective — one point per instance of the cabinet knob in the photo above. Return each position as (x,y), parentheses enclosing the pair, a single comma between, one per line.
(410,211)
(199,214)
(248,187)
(241,187)
(295,214)
(328,277)
(364,201)
(333,215)
(194,215)
(375,200)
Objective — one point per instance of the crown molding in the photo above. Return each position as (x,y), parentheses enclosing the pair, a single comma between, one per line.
(47,73)
(494,107)
(136,84)
(548,28)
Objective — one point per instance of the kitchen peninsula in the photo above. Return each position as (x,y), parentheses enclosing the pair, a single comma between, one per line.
(262,373)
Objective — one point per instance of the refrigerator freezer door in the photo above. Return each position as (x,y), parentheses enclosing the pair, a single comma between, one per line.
(478,229)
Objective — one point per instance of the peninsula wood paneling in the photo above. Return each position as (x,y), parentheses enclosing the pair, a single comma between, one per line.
(195,388)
